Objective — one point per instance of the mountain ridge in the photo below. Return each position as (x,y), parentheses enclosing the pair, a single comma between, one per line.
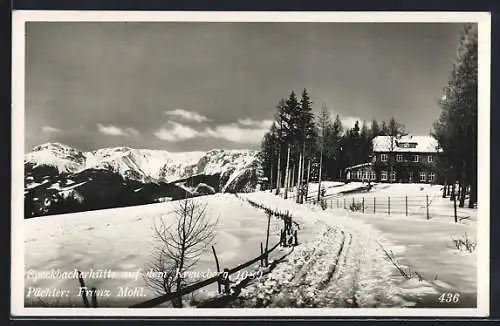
(139,164)
(60,178)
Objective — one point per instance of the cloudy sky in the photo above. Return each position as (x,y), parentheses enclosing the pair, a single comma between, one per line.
(198,86)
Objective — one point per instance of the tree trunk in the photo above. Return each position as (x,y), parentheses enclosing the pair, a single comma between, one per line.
(278,176)
(320,168)
(297,193)
(287,177)
(462,194)
(270,183)
(302,169)
(308,178)
(473,186)
(473,193)
(462,184)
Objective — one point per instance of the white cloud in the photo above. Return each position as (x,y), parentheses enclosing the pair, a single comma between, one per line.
(349,121)
(50,130)
(132,131)
(111,130)
(232,132)
(177,132)
(237,134)
(187,115)
(255,123)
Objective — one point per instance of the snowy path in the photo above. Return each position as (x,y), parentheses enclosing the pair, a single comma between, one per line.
(347,265)
(341,265)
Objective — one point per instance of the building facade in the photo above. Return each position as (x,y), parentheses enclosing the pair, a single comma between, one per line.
(405,159)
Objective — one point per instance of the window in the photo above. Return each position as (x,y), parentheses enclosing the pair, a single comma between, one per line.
(383,176)
(430,158)
(372,175)
(415,158)
(399,157)
(410,176)
(365,175)
(422,176)
(360,174)
(432,177)
(393,176)
(383,157)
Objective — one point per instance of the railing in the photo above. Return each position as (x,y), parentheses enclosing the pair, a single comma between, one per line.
(288,237)
(428,206)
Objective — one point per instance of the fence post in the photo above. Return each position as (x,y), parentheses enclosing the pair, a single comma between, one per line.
(267,237)
(83,290)
(353,203)
(296,238)
(427,205)
(94,298)
(218,266)
(363,205)
(226,281)
(406,205)
(261,254)
(389,205)
(455,208)
(344,202)
(374,204)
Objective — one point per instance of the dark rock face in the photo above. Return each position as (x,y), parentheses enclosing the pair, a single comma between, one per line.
(57,179)
(204,189)
(245,182)
(94,189)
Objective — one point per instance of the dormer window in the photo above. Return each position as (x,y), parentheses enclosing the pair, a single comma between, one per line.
(383,157)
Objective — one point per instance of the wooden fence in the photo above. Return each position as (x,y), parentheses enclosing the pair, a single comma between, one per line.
(418,205)
(288,237)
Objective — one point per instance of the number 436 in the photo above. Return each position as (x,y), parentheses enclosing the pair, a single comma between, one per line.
(449,297)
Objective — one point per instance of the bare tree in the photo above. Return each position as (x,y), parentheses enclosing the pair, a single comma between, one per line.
(180,246)
(324,123)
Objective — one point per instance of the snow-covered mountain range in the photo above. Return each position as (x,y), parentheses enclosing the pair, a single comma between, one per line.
(138,175)
(142,164)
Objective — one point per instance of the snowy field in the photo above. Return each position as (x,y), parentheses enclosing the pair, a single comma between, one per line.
(121,240)
(419,246)
(344,258)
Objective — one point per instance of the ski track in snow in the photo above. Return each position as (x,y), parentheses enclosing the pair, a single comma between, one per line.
(339,262)
(346,266)
(342,267)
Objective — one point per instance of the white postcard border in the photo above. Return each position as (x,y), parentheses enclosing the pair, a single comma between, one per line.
(19,18)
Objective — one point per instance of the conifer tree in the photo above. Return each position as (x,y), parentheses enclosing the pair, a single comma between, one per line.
(456,128)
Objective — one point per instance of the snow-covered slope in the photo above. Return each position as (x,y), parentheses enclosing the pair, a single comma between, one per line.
(65,158)
(143,164)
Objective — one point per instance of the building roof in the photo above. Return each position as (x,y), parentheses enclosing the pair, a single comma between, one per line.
(358,166)
(422,144)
